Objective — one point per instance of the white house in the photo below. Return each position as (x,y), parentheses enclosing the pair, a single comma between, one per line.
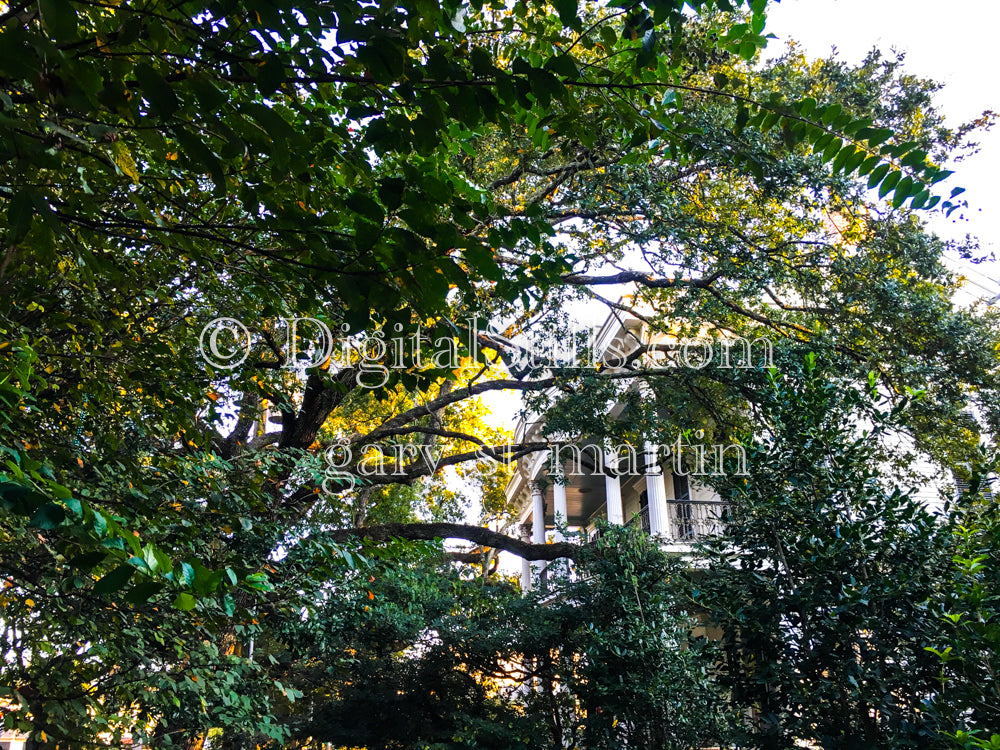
(577,482)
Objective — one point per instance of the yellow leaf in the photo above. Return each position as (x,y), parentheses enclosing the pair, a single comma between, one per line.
(29,602)
(124,161)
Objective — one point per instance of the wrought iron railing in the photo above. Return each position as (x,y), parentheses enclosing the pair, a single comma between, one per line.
(641,519)
(688,520)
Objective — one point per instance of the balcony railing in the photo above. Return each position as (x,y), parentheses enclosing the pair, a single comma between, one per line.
(688,520)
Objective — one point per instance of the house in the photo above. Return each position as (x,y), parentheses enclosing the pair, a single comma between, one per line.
(568,487)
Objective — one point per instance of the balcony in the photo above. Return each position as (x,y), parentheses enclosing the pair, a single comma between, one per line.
(687,520)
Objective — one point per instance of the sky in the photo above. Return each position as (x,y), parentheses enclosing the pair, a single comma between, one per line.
(952,43)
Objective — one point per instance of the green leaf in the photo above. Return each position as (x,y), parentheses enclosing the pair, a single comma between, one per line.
(259,581)
(544,85)
(274,124)
(742,117)
(608,36)
(902,191)
(941,174)
(806,106)
(201,155)
(482,260)
(19,215)
(185,602)
(831,113)
(209,96)
(920,199)
(879,136)
(878,174)
(59,19)
(567,11)
(649,41)
(143,592)
(888,184)
(114,580)
(868,165)
(186,575)
(366,207)
(832,149)
(271,75)
(841,160)
(157,91)
(914,158)
(87,560)
(49,516)
(563,65)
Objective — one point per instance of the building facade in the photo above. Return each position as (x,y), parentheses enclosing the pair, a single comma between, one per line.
(566,489)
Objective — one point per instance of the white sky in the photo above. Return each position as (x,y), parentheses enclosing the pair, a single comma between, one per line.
(954,44)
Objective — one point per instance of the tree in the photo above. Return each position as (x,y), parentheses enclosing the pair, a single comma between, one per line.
(823,579)
(965,702)
(410,656)
(411,165)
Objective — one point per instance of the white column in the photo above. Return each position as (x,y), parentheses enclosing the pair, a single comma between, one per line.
(525,564)
(656,493)
(613,490)
(559,506)
(537,514)
(537,521)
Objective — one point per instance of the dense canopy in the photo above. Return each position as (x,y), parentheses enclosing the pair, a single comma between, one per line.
(435,185)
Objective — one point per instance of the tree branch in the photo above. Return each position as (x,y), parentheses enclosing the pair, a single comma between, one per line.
(480,535)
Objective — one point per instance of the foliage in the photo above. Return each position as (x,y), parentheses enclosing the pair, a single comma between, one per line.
(635,668)
(827,576)
(405,167)
(417,656)
(966,703)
